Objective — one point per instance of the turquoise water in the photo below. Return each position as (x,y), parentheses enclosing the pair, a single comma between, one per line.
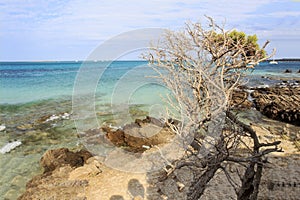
(23,82)
(26,82)
(32,92)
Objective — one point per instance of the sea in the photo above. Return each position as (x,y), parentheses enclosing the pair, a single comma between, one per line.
(46,105)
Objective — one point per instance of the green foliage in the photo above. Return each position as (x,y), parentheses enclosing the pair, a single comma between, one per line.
(241,39)
(249,43)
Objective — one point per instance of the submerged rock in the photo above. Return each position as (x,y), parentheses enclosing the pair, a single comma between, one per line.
(53,118)
(10,146)
(25,127)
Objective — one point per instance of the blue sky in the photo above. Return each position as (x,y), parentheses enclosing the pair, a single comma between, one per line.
(72,29)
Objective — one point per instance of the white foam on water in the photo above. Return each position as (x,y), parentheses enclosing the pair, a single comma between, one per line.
(2,128)
(55,117)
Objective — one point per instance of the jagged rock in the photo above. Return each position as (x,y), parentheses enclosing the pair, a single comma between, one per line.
(288,71)
(140,134)
(54,183)
(116,137)
(94,179)
(56,158)
(240,99)
(280,103)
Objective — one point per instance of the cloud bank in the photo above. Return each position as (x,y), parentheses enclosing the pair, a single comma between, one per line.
(57,29)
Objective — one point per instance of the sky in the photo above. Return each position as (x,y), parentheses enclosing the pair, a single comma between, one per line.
(33,30)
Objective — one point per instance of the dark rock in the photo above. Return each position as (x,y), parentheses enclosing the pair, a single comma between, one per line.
(270,185)
(288,71)
(240,99)
(147,120)
(154,121)
(279,103)
(135,136)
(57,158)
(173,121)
(116,137)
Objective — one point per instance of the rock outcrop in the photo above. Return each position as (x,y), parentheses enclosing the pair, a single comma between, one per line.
(56,158)
(54,183)
(89,179)
(240,99)
(77,175)
(279,103)
(140,135)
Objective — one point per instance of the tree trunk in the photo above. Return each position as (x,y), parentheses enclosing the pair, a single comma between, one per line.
(256,181)
(199,186)
(247,183)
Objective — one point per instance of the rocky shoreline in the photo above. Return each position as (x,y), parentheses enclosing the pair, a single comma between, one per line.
(80,175)
(278,102)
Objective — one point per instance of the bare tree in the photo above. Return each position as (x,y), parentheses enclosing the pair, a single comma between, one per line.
(203,67)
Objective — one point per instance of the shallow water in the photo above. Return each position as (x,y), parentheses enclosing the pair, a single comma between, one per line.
(112,93)
(28,123)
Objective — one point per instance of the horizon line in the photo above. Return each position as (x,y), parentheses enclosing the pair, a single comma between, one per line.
(73,61)
(104,60)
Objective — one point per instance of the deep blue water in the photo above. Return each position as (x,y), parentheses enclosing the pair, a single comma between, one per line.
(22,82)
(268,74)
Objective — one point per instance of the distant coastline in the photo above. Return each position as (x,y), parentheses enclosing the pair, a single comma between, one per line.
(67,61)
(92,61)
(286,59)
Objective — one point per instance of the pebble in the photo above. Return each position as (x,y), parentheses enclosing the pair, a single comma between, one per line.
(18,181)
(146,147)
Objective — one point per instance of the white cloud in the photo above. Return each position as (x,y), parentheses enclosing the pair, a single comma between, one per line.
(77,22)
(94,20)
